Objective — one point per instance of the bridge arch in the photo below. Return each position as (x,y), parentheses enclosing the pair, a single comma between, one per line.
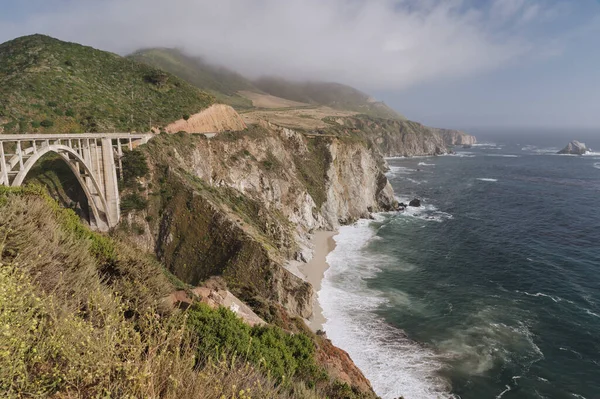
(80,169)
(94,159)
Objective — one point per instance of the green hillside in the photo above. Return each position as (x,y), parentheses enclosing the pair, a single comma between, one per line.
(224,84)
(47,85)
(333,95)
(219,81)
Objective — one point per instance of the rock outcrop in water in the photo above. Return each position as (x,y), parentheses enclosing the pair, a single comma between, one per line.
(416,203)
(574,148)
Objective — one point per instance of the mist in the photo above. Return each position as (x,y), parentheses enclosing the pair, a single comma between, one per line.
(379,46)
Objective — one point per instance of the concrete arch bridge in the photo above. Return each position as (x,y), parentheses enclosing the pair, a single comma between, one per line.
(94,158)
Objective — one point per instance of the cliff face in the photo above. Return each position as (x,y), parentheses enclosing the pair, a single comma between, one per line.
(242,204)
(395,138)
(455,137)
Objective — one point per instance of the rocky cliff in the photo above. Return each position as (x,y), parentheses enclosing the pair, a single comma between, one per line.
(395,138)
(455,137)
(242,204)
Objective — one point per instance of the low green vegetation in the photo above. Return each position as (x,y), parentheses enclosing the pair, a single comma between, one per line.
(134,165)
(90,90)
(281,355)
(133,202)
(313,167)
(221,82)
(225,84)
(82,316)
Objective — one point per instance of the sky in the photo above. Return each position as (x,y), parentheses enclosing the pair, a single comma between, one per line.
(446,63)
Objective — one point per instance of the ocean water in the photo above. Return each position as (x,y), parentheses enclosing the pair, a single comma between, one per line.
(491,289)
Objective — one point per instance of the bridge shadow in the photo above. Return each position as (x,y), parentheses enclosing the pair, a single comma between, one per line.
(52,172)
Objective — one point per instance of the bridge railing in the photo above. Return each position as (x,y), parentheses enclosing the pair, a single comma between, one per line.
(66,136)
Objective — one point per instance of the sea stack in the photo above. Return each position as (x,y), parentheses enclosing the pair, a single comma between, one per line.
(574,148)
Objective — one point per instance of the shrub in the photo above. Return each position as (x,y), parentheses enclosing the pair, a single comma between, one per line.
(10,125)
(186,117)
(70,113)
(47,123)
(283,356)
(157,77)
(35,124)
(133,202)
(134,166)
(138,229)
(65,330)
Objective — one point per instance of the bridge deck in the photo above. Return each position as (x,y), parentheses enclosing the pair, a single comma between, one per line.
(39,136)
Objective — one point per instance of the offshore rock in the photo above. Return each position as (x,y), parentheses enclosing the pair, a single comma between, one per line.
(416,203)
(574,148)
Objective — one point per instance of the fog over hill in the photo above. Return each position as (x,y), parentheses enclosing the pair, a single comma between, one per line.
(229,86)
(462,63)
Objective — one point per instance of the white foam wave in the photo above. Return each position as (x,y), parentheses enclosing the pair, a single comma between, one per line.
(556,299)
(427,212)
(592,313)
(591,154)
(597,165)
(484,145)
(508,389)
(395,365)
(481,344)
(399,170)
(487,179)
(579,355)
(463,154)
(426,164)
(415,181)
(540,151)
(502,155)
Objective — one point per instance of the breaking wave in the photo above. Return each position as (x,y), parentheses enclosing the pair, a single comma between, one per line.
(395,365)
(487,179)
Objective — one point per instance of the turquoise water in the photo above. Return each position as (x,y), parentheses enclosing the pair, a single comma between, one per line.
(491,290)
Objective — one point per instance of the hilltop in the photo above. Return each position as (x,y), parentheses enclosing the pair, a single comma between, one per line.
(221,82)
(49,85)
(268,92)
(334,95)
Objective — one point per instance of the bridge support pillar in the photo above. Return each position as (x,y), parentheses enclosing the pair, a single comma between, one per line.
(111,188)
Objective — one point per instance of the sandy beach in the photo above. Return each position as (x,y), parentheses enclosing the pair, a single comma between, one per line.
(315,271)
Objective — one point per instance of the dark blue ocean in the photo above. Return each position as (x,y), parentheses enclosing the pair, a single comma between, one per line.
(491,289)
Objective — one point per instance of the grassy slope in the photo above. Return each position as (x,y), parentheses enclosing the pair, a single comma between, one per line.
(224,84)
(81,317)
(334,95)
(47,85)
(219,81)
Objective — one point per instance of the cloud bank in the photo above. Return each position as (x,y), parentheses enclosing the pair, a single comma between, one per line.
(376,44)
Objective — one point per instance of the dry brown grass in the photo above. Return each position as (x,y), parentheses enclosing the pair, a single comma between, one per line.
(268,101)
(64,329)
(296,118)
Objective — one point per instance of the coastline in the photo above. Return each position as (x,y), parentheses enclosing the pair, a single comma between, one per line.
(314,271)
